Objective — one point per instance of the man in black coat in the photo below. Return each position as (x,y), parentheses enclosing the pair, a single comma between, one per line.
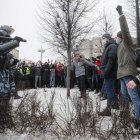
(109,72)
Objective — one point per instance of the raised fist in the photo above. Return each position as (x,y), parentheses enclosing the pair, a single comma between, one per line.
(119,9)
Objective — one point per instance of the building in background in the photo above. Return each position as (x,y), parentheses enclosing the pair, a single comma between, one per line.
(91,48)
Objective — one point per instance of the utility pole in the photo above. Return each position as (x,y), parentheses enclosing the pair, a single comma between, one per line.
(41,52)
(138,22)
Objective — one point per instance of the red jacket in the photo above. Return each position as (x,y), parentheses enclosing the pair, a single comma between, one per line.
(59,70)
(98,63)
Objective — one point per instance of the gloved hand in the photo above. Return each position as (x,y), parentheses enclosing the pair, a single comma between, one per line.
(119,9)
(19,39)
(15,61)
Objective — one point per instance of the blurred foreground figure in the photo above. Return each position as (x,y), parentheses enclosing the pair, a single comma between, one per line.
(7,84)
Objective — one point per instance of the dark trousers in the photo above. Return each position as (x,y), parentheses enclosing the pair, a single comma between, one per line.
(81,83)
(5,113)
(110,89)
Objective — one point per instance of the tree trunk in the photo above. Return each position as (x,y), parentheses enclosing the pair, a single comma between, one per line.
(138,23)
(69,48)
(68,71)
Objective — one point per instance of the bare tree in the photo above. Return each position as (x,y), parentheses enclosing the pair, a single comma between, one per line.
(133,14)
(63,25)
(107,23)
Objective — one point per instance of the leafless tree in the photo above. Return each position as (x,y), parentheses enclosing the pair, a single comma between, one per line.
(130,10)
(133,14)
(107,23)
(64,23)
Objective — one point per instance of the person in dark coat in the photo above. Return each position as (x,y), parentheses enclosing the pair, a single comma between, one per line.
(46,75)
(109,72)
(32,75)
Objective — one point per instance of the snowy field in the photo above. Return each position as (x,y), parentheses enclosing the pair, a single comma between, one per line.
(62,106)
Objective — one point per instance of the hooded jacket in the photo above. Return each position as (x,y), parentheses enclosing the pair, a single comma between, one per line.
(126,53)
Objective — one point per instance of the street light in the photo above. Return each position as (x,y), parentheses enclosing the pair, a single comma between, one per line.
(41,52)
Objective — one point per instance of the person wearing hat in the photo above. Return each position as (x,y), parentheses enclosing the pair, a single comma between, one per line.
(7,83)
(108,72)
(127,69)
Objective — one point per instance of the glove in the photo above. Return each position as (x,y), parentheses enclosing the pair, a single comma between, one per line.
(19,39)
(15,61)
(119,9)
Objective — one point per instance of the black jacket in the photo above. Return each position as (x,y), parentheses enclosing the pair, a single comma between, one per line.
(109,60)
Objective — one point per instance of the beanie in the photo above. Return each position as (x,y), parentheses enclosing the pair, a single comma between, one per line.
(119,34)
(107,35)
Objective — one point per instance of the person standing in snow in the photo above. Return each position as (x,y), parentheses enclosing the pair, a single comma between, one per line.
(127,69)
(79,68)
(109,73)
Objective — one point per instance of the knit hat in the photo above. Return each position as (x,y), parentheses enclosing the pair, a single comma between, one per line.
(119,34)
(107,35)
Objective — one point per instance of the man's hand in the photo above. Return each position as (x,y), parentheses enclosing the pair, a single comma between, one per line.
(119,9)
(131,84)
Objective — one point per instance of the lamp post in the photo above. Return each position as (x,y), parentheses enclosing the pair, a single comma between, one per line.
(41,52)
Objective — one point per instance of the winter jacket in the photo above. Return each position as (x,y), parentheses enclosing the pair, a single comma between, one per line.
(8,46)
(7,84)
(109,60)
(126,54)
(98,63)
(79,67)
(37,71)
(59,70)
(45,72)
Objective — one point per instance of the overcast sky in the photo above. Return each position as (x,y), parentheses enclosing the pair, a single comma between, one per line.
(21,15)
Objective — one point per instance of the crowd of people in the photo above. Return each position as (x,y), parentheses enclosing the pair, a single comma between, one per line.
(48,74)
(37,75)
(119,65)
(114,73)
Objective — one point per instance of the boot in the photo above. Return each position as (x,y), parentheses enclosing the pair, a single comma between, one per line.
(16,96)
(100,94)
(83,95)
(136,123)
(105,112)
(115,106)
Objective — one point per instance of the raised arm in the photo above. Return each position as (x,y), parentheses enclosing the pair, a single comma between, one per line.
(7,47)
(89,63)
(127,39)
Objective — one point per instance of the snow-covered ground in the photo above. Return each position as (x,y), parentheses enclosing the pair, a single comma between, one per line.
(62,106)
